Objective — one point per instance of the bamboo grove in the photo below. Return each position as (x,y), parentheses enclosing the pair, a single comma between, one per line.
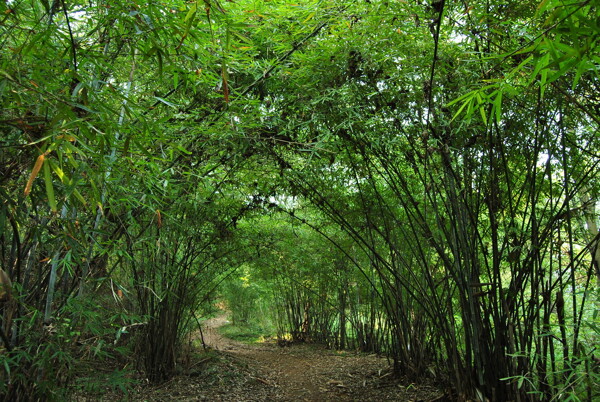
(417,179)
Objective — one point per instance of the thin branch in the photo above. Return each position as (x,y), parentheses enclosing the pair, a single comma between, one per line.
(73,45)
(436,40)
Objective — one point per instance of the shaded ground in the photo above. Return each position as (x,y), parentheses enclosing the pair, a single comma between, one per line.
(235,371)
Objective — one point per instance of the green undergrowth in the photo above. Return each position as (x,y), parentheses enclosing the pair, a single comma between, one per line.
(102,381)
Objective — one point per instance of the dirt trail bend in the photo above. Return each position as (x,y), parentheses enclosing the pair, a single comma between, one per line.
(312,373)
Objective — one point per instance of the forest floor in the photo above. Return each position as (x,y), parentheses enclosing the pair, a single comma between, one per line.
(236,371)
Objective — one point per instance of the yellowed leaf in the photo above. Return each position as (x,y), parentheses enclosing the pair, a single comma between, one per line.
(36,169)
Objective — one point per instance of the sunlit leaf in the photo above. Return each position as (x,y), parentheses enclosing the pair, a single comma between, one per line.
(166,102)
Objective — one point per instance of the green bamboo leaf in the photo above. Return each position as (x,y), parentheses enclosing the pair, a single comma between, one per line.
(240,36)
(95,192)
(7,75)
(166,102)
(465,103)
(66,181)
(483,114)
(78,195)
(76,90)
(191,13)
(581,68)
(183,149)
(498,106)
(480,103)
(6,366)
(467,95)
(521,65)
(470,108)
(467,99)
(564,67)
(542,6)
(82,107)
(70,149)
(542,63)
(189,20)
(473,93)
(59,172)
(310,16)
(49,188)
(543,78)
(160,62)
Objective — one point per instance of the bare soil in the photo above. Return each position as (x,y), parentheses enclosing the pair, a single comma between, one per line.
(235,371)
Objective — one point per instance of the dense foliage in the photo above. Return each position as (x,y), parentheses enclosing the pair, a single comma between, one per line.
(413,178)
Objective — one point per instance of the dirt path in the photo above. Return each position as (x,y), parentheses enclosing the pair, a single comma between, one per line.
(227,370)
(312,373)
(298,373)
